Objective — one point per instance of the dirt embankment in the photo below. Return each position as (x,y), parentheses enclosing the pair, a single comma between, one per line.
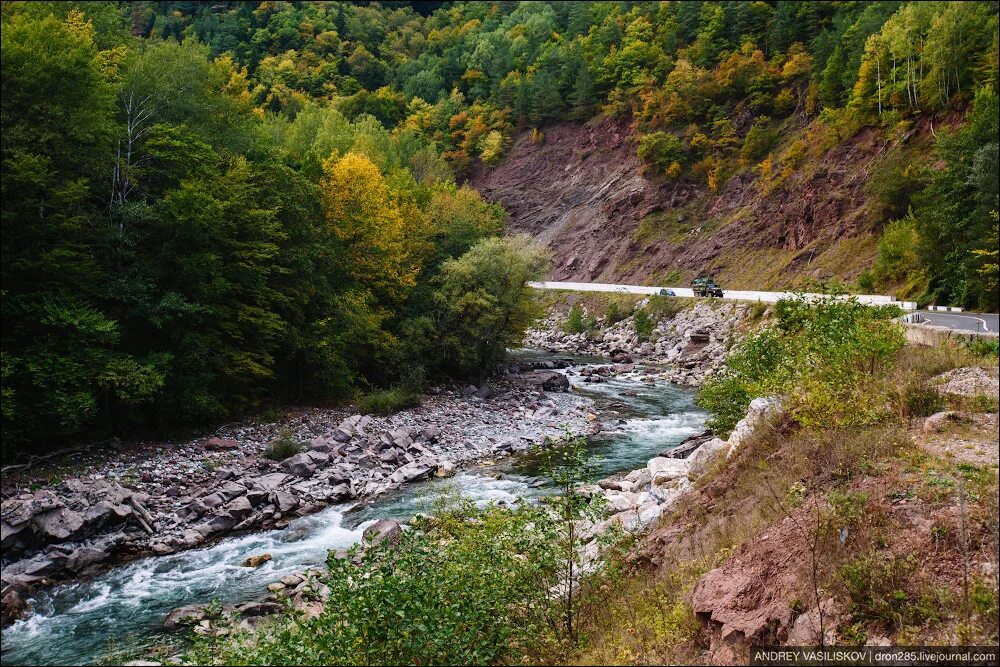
(582,192)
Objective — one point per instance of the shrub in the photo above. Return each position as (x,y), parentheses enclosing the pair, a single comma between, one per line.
(661,150)
(876,586)
(614,314)
(892,185)
(282,447)
(822,354)
(917,399)
(898,261)
(574,321)
(665,307)
(643,324)
(983,347)
(759,141)
(388,401)
(472,590)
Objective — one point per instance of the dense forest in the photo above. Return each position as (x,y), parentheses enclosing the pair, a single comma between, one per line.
(211,206)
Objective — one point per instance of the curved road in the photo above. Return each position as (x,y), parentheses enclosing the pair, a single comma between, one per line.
(989,322)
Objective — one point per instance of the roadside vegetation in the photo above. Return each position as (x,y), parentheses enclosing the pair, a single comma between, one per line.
(891,525)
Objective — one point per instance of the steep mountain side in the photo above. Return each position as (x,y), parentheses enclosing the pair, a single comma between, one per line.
(583,193)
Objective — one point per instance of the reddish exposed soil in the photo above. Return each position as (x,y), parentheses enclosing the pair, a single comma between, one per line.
(583,194)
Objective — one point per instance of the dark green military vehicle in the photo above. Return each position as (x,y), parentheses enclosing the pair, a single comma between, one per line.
(705,286)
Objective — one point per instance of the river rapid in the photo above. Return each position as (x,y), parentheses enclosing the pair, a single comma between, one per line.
(118,615)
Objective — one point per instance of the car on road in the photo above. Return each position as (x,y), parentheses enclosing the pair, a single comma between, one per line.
(705,286)
(667,292)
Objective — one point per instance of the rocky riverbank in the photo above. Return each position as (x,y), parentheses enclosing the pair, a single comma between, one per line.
(634,501)
(157,499)
(689,345)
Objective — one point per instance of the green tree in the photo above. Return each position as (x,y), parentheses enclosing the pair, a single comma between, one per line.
(484,304)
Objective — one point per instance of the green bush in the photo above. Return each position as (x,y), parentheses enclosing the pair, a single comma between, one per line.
(388,401)
(665,307)
(919,399)
(898,260)
(282,447)
(983,347)
(614,314)
(662,150)
(759,140)
(892,186)
(472,590)
(574,321)
(822,355)
(877,589)
(643,323)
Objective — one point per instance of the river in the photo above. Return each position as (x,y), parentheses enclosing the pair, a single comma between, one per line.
(117,616)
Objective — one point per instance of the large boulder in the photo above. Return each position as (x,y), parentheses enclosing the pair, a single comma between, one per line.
(269,482)
(239,508)
(706,453)
(186,615)
(662,469)
(760,410)
(13,606)
(300,465)
(58,525)
(413,471)
(553,381)
(384,530)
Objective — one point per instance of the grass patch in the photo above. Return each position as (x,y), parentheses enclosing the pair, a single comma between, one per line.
(388,401)
(283,446)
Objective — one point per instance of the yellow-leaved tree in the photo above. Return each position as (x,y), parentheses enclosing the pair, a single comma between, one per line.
(360,210)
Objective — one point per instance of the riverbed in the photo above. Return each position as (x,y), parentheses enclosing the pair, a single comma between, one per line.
(118,615)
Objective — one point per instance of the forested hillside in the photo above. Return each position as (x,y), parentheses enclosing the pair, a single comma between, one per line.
(209,206)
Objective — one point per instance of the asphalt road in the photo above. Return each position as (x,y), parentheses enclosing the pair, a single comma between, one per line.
(962,321)
(741,295)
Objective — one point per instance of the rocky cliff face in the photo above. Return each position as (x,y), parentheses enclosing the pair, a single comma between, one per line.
(583,193)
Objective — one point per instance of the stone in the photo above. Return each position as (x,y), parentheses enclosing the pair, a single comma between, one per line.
(706,453)
(384,530)
(687,446)
(941,420)
(12,606)
(300,465)
(269,482)
(662,469)
(231,489)
(255,609)
(760,410)
(239,508)
(285,501)
(319,458)
(412,471)
(186,615)
(483,392)
(57,525)
(221,445)
(445,469)
(86,555)
(220,523)
(640,478)
(553,381)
